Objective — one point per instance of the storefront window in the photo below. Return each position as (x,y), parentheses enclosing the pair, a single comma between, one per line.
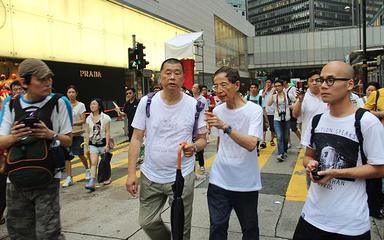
(230,46)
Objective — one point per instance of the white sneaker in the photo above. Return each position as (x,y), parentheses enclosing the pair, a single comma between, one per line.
(68,182)
(202,169)
(87,174)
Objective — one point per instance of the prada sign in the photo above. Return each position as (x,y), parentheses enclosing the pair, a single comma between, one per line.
(90,74)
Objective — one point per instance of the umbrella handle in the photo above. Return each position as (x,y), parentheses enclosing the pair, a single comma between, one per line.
(182,145)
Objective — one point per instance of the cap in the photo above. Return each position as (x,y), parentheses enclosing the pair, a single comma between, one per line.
(34,67)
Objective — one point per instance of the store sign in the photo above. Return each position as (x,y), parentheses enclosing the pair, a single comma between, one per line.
(90,74)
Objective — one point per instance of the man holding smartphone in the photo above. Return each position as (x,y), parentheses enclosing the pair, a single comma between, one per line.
(34,213)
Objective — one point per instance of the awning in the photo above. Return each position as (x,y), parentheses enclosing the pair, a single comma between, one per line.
(181,46)
(356,57)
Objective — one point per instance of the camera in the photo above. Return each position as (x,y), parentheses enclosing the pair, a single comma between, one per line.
(282,116)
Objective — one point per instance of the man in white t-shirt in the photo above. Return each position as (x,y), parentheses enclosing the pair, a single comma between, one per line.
(234,179)
(35,213)
(266,93)
(171,122)
(309,104)
(336,206)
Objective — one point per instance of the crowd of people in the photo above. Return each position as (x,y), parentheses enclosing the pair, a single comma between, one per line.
(341,140)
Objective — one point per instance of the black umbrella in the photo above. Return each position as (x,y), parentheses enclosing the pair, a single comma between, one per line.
(177,208)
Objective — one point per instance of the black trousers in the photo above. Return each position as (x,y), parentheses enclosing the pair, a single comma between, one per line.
(3,185)
(200,158)
(306,231)
(220,205)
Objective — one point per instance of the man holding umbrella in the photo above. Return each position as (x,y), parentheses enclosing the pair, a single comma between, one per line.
(169,122)
(234,180)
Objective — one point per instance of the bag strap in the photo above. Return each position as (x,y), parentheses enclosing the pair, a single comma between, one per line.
(358,115)
(248,97)
(199,107)
(315,122)
(149,101)
(377,98)
(260,101)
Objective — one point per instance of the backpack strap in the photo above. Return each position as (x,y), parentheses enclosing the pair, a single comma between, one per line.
(260,101)
(248,97)
(199,107)
(149,101)
(358,115)
(377,98)
(315,122)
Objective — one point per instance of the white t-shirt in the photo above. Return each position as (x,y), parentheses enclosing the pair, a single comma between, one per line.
(269,109)
(235,168)
(282,105)
(77,111)
(310,107)
(61,121)
(341,205)
(165,129)
(357,101)
(291,92)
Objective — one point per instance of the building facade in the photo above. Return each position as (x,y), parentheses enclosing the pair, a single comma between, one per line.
(283,16)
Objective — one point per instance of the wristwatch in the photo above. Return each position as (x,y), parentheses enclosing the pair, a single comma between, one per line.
(54,137)
(228,130)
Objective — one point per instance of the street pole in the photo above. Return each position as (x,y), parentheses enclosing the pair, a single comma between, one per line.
(353,13)
(365,65)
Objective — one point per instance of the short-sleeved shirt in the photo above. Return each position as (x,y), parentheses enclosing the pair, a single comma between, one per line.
(165,129)
(130,109)
(341,206)
(236,168)
(258,99)
(77,111)
(372,105)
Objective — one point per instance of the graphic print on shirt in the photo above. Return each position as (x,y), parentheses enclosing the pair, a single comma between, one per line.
(335,151)
(97,134)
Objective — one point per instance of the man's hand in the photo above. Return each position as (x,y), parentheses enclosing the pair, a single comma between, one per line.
(40,130)
(19,131)
(300,95)
(311,166)
(189,149)
(327,176)
(213,121)
(132,185)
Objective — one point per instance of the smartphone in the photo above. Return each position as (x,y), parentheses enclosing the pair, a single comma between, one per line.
(301,86)
(29,122)
(316,176)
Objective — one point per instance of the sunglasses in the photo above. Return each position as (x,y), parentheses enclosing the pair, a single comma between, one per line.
(330,80)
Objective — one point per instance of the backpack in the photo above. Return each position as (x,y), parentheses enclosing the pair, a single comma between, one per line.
(373,186)
(30,163)
(199,107)
(260,99)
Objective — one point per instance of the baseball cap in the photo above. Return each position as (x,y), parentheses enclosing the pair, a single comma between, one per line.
(34,67)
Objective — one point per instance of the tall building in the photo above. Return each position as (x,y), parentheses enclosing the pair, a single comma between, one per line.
(240,6)
(281,16)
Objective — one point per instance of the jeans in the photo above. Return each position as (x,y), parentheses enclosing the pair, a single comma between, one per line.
(282,132)
(220,205)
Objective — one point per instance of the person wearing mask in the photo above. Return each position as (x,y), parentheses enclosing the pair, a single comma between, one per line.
(97,137)
(78,113)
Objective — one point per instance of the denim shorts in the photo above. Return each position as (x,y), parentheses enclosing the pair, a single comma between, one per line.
(96,150)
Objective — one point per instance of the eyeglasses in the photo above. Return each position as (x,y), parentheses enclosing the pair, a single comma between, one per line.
(330,80)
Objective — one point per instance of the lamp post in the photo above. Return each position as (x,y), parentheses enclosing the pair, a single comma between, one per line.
(365,65)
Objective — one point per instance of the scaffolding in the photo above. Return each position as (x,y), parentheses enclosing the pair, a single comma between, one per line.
(198,55)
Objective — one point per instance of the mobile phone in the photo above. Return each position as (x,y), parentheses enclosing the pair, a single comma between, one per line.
(301,86)
(29,122)
(315,174)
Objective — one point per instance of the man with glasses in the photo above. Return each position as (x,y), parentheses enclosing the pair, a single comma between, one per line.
(234,181)
(336,206)
(16,88)
(309,103)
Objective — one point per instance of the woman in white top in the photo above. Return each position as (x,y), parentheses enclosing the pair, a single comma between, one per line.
(97,136)
(78,113)
(281,118)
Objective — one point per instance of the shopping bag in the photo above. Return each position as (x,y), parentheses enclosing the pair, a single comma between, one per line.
(104,172)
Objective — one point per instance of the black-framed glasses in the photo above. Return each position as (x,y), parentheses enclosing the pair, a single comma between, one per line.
(330,80)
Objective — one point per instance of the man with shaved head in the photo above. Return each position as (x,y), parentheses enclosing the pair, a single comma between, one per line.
(336,205)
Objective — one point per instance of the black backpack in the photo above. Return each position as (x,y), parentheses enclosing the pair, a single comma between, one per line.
(373,186)
(199,107)
(31,162)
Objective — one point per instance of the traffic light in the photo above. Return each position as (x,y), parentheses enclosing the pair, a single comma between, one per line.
(142,63)
(132,58)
